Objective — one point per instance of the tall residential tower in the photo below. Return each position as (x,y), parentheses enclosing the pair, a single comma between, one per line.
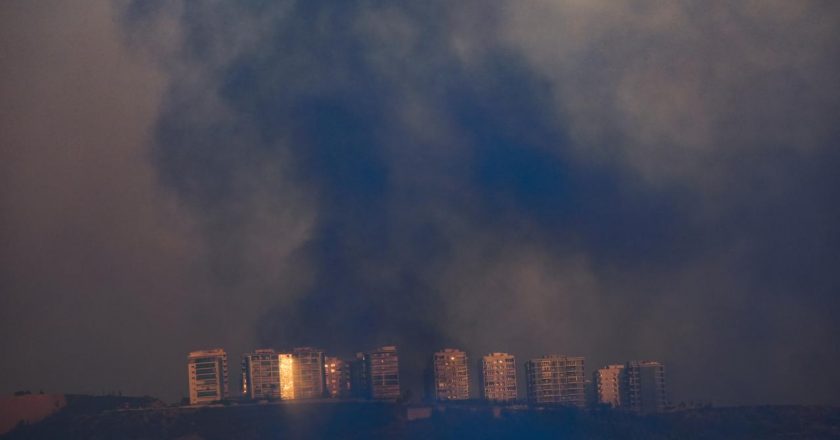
(498,377)
(607,382)
(451,375)
(261,375)
(556,380)
(644,387)
(360,376)
(384,373)
(308,371)
(337,374)
(286,362)
(208,376)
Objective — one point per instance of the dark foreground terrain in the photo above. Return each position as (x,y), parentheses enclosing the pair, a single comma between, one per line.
(121,419)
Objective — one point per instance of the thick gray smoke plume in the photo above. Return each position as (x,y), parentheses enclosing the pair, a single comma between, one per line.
(618,180)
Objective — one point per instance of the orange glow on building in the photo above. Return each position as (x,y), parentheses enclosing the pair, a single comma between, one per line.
(338,377)
(308,373)
(287,376)
(451,375)
(608,385)
(556,380)
(499,377)
(261,375)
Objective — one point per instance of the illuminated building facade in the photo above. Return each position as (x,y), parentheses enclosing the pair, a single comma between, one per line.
(644,387)
(208,376)
(337,374)
(556,380)
(451,375)
(383,367)
(498,377)
(308,371)
(608,387)
(286,363)
(261,375)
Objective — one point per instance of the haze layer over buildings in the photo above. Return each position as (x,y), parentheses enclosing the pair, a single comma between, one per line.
(610,179)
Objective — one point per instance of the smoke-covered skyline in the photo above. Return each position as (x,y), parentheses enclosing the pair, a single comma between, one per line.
(614,180)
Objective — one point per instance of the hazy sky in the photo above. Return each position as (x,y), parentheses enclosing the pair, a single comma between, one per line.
(612,179)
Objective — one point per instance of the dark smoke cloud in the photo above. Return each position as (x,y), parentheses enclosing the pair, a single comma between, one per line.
(615,180)
(108,278)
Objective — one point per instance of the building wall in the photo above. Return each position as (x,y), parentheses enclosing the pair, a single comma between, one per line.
(608,385)
(498,374)
(451,375)
(337,374)
(384,373)
(208,376)
(310,382)
(359,377)
(286,363)
(644,382)
(556,380)
(261,375)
